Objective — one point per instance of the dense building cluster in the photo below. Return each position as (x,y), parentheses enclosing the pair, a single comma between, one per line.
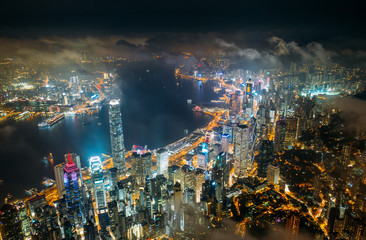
(274,158)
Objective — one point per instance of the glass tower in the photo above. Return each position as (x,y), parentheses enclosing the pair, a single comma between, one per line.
(116,132)
(73,192)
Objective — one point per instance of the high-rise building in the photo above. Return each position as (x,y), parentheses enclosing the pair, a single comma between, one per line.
(100,193)
(241,150)
(59,176)
(202,161)
(235,105)
(116,134)
(292,227)
(95,164)
(158,193)
(141,167)
(137,168)
(286,133)
(199,180)
(75,159)
(162,162)
(147,164)
(73,193)
(248,98)
(114,218)
(265,157)
(98,182)
(273,174)
(280,132)
(11,227)
(225,140)
(90,231)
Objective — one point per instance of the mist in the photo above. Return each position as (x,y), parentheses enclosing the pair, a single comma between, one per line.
(263,51)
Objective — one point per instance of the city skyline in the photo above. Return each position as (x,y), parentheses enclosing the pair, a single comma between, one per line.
(195,120)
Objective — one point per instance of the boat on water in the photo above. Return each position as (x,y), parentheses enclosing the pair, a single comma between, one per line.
(9,198)
(22,116)
(31,191)
(48,182)
(49,122)
(48,159)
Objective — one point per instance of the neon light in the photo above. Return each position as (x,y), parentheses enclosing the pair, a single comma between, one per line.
(70,162)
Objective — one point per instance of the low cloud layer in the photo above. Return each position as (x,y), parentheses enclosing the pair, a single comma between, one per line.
(272,51)
(353,112)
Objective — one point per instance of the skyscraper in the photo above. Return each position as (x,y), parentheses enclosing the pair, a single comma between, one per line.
(286,133)
(265,157)
(75,159)
(225,139)
(202,161)
(73,192)
(11,227)
(292,227)
(162,162)
(116,133)
(59,176)
(273,174)
(241,150)
(235,106)
(98,181)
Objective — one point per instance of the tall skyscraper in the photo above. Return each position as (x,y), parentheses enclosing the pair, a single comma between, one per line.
(225,139)
(265,157)
(235,105)
(11,227)
(292,227)
(241,150)
(286,133)
(162,162)
(75,159)
(73,192)
(147,164)
(98,181)
(59,176)
(273,174)
(202,161)
(116,133)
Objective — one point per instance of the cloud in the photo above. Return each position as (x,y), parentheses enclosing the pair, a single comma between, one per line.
(230,233)
(57,50)
(353,112)
(279,45)
(7,131)
(245,48)
(310,53)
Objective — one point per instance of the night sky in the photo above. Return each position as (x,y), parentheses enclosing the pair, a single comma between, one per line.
(139,28)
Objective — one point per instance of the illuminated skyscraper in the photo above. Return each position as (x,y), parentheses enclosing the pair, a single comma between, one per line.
(11,227)
(95,164)
(59,176)
(202,161)
(225,142)
(116,132)
(273,174)
(241,150)
(264,157)
(75,159)
(286,133)
(235,106)
(292,227)
(73,192)
(162,162)
(98,181)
